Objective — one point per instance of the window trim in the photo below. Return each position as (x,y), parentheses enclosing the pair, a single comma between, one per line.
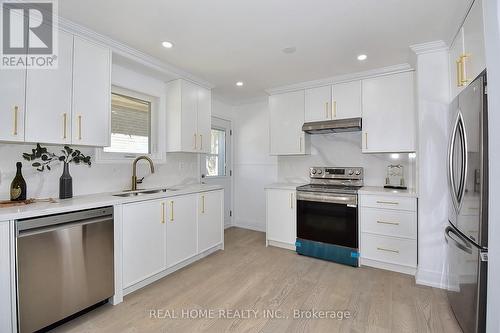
(154,144)
(225,155)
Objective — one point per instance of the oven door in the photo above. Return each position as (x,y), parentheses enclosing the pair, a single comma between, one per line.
(328,218)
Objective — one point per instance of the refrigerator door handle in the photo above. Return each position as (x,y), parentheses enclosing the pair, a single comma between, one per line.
(451,179)
(464,247)
(457,194)
(465,159)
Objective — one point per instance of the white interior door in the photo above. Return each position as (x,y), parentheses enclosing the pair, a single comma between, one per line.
(216,167)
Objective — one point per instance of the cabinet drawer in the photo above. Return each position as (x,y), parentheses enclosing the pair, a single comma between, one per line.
(389,222)
(389,249)
(388,202)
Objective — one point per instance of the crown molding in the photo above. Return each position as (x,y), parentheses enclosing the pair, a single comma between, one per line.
(131,53)
(342,78)
(435,46)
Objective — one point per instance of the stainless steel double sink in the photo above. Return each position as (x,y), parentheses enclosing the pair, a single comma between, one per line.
(143,192)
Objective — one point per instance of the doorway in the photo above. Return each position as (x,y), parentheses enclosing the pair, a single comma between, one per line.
(216,167)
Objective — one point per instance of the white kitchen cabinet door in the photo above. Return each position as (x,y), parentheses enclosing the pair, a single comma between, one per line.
(281,216)
(318,105)
(473,29)
(204,119)
(286,120)
(144,240)
(12,85)
(456,52)
(181,229)
(346,100)
(48,98)
(91,94)
(210,219)
(189,117)
(389,119)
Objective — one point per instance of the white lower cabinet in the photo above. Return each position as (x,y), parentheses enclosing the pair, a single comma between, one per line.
(7,286)
(388,232)
(181,229)
(144,240)
(210,215)
(281,217)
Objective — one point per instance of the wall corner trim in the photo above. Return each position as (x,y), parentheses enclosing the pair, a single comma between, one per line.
(430,47)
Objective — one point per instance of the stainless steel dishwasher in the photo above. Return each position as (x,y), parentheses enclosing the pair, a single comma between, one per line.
(64,265)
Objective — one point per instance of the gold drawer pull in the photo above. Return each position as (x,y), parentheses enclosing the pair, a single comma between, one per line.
(387,250)
(195,141)
(16,110)
(203,204)
(334,109)
(201,142)
(162,212)
(65,125)
(366,140)
(385,222)
(79,127)
(291,200)
(463,73)
(459,70)
(171,211)
(326,110)
(388,202)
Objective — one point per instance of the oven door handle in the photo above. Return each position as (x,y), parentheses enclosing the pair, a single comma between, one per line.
(342,199)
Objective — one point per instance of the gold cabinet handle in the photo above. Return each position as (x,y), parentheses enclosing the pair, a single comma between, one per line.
(388,202)
(203,204)
(171,211)
(326,110)
(65,124)
(386,222)
(300,144)
(366,140)
(162,212)
(195,143)
(334,109)
(201,142)
(387,250)
(16,111)
(291,200)
(459,70)
(463,72)
(79,127)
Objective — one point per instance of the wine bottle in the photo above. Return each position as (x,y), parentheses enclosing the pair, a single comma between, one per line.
(18,186)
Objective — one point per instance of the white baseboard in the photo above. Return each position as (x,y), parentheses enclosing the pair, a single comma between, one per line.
(431,279)
(282,245)
(387,266)
(250,225)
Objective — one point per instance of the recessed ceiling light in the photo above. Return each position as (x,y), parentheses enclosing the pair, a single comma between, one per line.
(239,84)
(362,57)
(167,45)
(289,50)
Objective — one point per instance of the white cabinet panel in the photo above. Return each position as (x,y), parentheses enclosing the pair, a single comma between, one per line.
(473,29)
(389,249)
(281,216)
(48,98)
(12,85)
(389,222)
(204,119)
(144,240)
(181,229)
(91,94)
(389,114)
(318,105)
(286,120)
(388,202)
(189,116)
(6,279)
(346,100)
(210,219)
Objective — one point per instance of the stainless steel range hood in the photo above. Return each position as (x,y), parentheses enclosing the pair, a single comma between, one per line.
(333,126)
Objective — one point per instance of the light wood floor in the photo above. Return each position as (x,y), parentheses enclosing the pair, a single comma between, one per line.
(249,276)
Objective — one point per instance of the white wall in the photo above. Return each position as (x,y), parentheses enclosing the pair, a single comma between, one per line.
(433,109)
(253,167)
(343,150)
(178,168)
(491,11)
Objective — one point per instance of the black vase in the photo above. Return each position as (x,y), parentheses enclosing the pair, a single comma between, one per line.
(65,184)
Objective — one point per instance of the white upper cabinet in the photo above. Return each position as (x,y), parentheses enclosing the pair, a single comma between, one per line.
(144,240)
(286,120)
(181,229)
(475,60)
(467,53)
(12,85)
(189,109)
(48,98)
(210,219)
(346,100)
(91,94)
(389,118)
(318,105)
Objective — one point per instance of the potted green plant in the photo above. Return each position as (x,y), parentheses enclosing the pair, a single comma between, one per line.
(42,160)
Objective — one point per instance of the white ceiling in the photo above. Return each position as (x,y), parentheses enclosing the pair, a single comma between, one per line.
(224,41)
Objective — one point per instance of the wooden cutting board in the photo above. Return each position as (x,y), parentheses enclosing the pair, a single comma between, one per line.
(8,203)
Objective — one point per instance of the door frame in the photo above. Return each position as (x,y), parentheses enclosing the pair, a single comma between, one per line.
(231,163)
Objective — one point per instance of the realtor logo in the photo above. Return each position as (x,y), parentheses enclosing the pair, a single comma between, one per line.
(29,34)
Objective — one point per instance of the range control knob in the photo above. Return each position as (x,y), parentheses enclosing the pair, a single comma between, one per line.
(320,172)
(313,171)
(350,172)
(358,172)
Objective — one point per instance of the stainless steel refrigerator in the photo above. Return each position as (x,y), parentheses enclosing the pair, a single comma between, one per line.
(467,232)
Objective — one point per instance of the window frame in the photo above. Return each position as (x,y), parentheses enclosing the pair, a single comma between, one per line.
(217,155)
(155,153)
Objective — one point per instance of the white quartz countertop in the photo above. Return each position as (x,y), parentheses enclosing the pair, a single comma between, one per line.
(411,193)
(284,186)
(94,201)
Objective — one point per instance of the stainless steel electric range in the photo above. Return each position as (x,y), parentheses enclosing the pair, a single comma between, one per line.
(327,215)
